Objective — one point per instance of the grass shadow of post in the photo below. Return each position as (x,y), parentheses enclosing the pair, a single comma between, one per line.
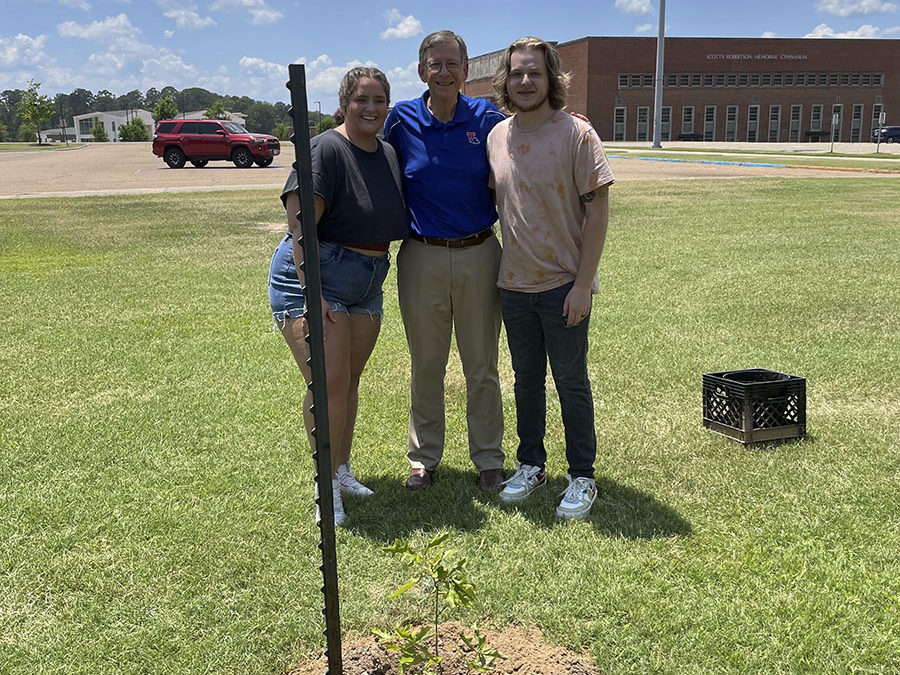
(312,287)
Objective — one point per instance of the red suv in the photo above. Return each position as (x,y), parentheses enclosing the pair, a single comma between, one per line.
(198,141)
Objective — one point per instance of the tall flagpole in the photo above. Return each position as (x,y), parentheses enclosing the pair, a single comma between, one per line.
(657,103)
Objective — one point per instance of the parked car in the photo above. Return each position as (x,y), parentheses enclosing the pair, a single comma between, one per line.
(199,141)
(888,134)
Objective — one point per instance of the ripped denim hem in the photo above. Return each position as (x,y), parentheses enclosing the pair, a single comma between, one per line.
(280,318)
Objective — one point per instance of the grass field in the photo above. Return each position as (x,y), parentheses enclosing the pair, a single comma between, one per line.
(24,147)
(156,488)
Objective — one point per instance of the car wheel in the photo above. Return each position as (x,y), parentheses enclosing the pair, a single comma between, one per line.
(199,163)
(242,158)
(890,139)
(264,162)
(174,158)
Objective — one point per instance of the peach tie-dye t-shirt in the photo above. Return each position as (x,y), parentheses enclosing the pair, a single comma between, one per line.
(539,177)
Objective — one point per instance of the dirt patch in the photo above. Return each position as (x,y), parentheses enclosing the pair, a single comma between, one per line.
(526,653)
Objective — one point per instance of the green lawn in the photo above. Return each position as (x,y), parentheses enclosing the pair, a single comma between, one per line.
(881,162)
(156,488)
(24,147)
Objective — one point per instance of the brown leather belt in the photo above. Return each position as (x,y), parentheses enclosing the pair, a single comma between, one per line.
(457,242)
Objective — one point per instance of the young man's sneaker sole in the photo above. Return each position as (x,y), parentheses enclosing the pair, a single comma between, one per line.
(524,481)
(577,499)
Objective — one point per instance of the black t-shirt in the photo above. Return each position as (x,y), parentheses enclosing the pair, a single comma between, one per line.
(361,190)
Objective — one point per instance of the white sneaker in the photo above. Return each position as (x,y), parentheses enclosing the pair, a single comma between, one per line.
(524,481)
(349,484)
(337,503)
(579,498)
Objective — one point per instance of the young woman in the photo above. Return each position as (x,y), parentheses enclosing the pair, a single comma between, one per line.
(359,210)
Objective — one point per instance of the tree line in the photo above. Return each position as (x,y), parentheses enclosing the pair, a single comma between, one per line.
(25,112)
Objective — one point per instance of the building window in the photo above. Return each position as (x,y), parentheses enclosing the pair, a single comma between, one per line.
(707,79)
(855,79)
(815,118)
(774,123)
(837,112)
(709,123)
(86,126)
(878,80)
(687,120)
(732,80)
(648,79)
(845,79)
(695,79)
(666,125)
(778,79)
(752,123)
(796,123)
(744,79)
(789,79)
(731,114)
(767,79)
(720,79)
(635,80)
(822,80)
(619,124)
(876,116)
(643,123)
(623,80)
(856,123)
(867,79)
(671,79)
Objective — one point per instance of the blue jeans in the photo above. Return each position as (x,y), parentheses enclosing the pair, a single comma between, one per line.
(351,281)
(536,330)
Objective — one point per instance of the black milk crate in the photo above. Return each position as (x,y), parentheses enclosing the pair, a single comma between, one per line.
(755,404)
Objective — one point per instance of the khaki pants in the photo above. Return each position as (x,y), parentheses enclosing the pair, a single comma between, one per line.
(442,289)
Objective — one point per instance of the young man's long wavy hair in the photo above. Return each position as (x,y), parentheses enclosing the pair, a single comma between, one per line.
(558,80)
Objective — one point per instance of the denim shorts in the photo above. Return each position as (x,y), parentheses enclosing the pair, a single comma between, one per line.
(351,281)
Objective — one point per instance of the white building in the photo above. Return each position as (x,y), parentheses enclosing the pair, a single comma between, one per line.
(112,121)
(240,118)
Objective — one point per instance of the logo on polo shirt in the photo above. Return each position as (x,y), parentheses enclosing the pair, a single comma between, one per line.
(473,139)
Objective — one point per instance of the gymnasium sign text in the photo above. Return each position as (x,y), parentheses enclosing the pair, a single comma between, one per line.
(757,57)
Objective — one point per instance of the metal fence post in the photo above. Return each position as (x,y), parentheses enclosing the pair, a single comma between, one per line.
(315,339)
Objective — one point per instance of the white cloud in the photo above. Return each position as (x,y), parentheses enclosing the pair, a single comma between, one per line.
(864,31)
(77,4)
(769,34)
(401,26)
(644,28)
(110,27)
(256,66)
(22,50)
(634,6)
(187,17)
(851,7)
(260,13)
(168,34)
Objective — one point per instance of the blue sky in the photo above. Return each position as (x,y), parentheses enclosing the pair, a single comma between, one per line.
(243,47)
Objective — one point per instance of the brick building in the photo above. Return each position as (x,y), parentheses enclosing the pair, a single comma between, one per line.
(726,89)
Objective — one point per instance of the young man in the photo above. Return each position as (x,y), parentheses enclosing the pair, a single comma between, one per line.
(551,178)
(447,268)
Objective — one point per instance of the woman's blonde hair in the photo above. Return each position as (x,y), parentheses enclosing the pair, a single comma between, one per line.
(351,81)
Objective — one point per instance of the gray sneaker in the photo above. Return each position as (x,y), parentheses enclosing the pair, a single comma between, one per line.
(349,484)
(578,498)
(524,481)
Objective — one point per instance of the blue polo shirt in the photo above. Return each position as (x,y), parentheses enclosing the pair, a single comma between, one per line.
(445,167)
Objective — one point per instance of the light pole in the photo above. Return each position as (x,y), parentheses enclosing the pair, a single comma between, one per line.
(657,102)
(319,107)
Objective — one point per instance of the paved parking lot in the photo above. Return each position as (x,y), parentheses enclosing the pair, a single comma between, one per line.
(113,168)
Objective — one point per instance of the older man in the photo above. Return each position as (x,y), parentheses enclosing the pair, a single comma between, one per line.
(447,268)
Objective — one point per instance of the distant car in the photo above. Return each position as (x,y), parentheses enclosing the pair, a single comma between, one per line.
(199,141)
(888,135)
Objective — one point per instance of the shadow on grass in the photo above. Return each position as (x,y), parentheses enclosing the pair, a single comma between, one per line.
(454,501)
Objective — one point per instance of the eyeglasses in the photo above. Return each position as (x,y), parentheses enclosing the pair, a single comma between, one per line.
(436,66)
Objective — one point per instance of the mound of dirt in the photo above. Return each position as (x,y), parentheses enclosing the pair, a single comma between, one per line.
(526,653)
